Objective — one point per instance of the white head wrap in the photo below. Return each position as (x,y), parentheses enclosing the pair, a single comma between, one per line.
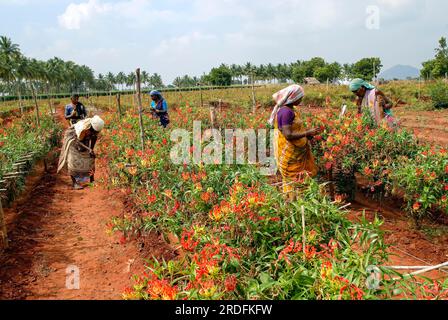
(96,123)
(284,97)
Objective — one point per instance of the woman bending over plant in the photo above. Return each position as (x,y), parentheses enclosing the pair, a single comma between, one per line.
(371,98)
(77,153)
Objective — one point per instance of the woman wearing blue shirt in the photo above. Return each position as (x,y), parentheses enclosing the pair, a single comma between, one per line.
(160,107)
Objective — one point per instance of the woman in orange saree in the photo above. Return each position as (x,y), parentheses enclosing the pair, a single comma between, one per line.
(292,148)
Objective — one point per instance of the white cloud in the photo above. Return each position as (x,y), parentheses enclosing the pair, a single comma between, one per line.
(133,12)
(77,14)
(175,37)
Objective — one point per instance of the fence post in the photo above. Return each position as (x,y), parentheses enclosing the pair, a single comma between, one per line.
(213,114)
(3,232)
(36,104)
(119,105)
(254,100)
(140,107)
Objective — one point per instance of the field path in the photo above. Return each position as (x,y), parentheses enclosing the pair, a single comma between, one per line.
(51,227)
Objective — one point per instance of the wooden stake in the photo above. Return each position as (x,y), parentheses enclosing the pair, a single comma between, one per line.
(140,107)
(303,230)
(428,269)
(213,114)
(254,100)
(119,105)
(3,231)
(36,104)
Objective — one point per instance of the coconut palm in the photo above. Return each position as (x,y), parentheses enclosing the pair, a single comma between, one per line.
(10,52)
(111,80)
(145,78)
(156,81)
(121,79)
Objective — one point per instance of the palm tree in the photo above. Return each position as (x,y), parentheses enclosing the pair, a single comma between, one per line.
(130,79)
(235,72)
(10,54)
(31,71)
(121,79)
(11,50)
(249,70)
(55,71)
(110,78)
(156,81)
(271,72)
(145,78)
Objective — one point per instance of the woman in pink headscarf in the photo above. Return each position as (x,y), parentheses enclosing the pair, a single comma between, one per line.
(292,147)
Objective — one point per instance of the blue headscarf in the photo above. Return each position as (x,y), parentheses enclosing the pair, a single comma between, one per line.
(155,93)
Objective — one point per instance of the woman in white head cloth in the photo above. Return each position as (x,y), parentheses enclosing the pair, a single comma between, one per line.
(77,154)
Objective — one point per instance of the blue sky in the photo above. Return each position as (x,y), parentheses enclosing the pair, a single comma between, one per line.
(176,37)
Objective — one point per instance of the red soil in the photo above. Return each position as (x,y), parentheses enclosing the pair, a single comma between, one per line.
(409,246)
(429,126)
(52,227)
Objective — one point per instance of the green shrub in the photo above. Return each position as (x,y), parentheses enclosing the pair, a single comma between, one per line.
(439,94)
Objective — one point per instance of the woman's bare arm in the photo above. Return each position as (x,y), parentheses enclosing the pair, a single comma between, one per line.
(290,136)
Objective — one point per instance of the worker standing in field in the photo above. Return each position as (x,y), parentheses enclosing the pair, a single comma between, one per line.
(292,148)
(75,111)
(159,107)
(78,154)
(369,97)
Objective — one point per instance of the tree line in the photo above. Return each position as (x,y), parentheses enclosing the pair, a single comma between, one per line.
(367,68)
(20,75)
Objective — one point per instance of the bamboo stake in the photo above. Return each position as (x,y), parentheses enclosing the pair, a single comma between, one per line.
(254,100)
(409,267)
(119,105)
(213,115)
(36,104)
(303,230)
(140,107)
(425,270)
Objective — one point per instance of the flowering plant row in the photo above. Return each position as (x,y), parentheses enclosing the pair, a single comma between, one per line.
(21,136)
(236,235)
(392,161)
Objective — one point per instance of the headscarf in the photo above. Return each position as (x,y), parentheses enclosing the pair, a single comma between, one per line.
(284,97)
(356,84)
(155,93)
(96,123)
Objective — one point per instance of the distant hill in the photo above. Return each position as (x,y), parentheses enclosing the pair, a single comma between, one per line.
(400,72)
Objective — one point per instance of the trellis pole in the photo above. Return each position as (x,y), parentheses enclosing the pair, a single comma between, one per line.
(140,107)
(119,105)
(3,231)
(254,100)
(36,104)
